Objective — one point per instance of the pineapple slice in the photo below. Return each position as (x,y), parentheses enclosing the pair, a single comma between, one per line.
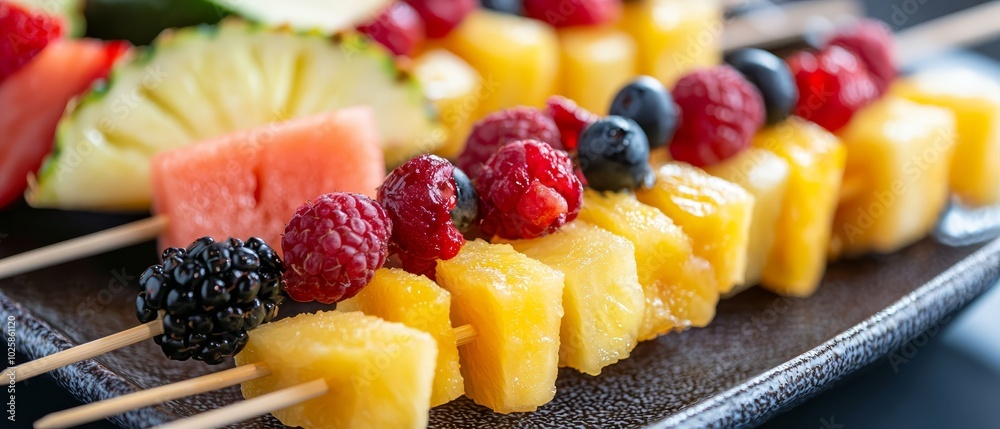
(896,181)
(379,373)
(454,87)
(596,63)
(674,36)
(517,57)
(765,175)
(515,304)
(680,288)
(816,159)
(715,213)
(416,301)
(974,99)
(602,299)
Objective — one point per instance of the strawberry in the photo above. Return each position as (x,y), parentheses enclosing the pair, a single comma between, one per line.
(833,84)
(23,34)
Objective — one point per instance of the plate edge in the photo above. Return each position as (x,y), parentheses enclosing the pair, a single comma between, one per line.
(760,398)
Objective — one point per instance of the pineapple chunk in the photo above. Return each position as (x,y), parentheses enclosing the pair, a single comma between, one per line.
(898,159)
(816,159)
(454,87)
(596,63)
(674,36)
(416,301)
(603,303)
(715,213)
(974,99)
(680,288)
(515,304)
(765,175)
(517,57)
(379,373)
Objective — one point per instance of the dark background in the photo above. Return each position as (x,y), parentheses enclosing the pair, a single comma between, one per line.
(951,380)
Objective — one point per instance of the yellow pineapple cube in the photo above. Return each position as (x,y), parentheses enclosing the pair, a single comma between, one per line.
(715,213)
(896,181)
(674,36)
(416,301)
(379,373)
(515,304)
(596,63)
(517,57)
(765,176)
(974,99)
(816,160)
(454,87)
(603,303)
(679,287)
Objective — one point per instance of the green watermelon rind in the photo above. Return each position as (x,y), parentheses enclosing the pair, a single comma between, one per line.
(42,193)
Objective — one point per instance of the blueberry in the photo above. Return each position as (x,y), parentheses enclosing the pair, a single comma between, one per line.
(772,78)
(467,208)
(649,104)
(614,155)
(513,7)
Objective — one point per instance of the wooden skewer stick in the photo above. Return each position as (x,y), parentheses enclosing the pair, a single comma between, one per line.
(91,244)
(104,409)
(84,351)
(970,26)
(464,334)
(251,408)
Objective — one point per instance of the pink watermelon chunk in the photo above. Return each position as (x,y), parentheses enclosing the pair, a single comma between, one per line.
(249,183)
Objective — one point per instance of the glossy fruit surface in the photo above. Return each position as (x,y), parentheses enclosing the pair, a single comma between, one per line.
(515,304)
(601,285)
(342,348)
(647,102)
(772,77)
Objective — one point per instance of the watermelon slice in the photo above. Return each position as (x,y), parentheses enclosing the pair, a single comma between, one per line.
(249,183)
(38,94)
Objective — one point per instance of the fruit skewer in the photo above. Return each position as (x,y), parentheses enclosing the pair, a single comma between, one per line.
(966,27)
(99,410)
(198,304)
(150,228)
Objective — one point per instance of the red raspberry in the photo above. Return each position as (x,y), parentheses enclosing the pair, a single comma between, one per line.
(833,84)
(398,28)
(500,128)
(567,13)
(332,247)
(527,189)
(419,197)
(720,113)
(570,118)
(442,16)
(871,40)
(23,34)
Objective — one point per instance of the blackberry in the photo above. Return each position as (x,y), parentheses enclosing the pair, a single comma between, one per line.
(211,294)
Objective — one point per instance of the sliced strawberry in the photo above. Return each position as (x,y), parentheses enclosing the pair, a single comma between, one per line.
(41,91)
(23,34)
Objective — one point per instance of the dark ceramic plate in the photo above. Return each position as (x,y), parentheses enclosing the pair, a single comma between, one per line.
(763,353)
